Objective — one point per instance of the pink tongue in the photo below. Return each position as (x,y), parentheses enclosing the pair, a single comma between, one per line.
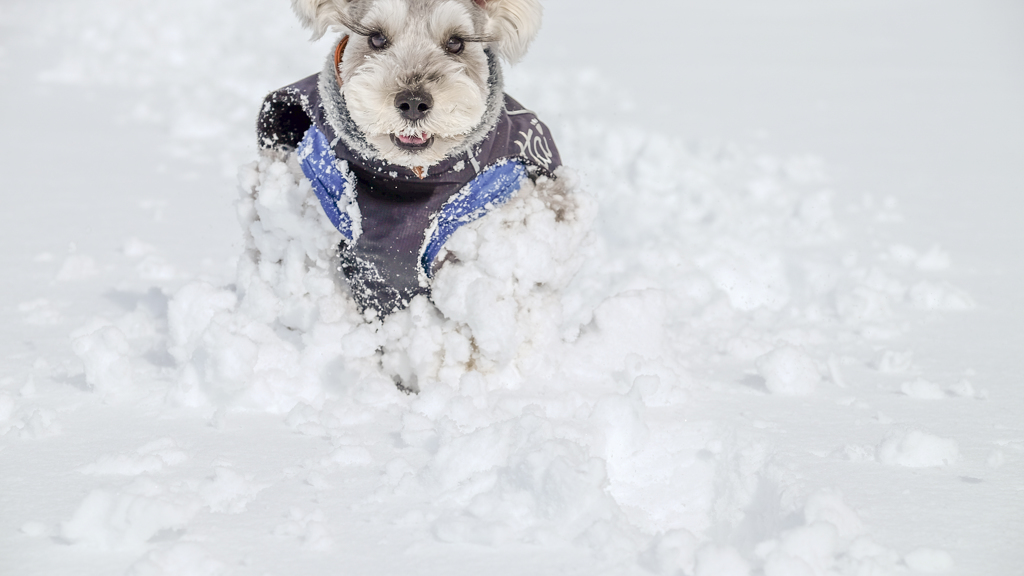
(412,139)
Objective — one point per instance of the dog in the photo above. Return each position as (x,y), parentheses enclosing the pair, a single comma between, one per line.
(406,134)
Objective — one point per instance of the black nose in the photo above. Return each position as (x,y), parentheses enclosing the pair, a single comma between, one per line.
(413,105)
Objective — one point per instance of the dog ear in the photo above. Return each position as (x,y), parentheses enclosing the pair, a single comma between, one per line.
(319,15)
(513,24)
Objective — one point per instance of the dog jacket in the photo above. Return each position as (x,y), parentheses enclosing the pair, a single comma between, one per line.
(395,220)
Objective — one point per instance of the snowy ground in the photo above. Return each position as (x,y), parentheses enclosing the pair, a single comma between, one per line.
(793,347)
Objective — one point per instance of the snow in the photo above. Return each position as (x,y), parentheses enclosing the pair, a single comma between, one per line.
(177,560)
(683,356)
(106,521)
(725,561)
(922,389)
(788,371)
(917,449)
(929,561)
(150,458)
(76,267)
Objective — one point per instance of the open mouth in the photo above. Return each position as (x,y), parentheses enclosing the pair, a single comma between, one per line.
(417,142)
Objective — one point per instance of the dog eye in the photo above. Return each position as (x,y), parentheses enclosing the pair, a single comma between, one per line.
(455,45)
(378,41)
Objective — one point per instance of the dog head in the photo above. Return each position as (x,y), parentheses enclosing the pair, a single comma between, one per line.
(415,73)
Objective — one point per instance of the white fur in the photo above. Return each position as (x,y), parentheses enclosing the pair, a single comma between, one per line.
(514,24)
(391,15)
(415,59)
(319,15)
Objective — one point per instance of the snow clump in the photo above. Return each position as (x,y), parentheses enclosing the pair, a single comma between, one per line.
(77,267)
(922,389)
(789,372)
(104,350)
(940,296)
(179,559)
(831,540)
(150,458)
(720,561)
(916,449)
(108,521)
(929,561)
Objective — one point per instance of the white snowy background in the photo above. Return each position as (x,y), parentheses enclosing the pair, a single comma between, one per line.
(794,348)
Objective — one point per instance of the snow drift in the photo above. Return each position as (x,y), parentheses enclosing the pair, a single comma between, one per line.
(667,363)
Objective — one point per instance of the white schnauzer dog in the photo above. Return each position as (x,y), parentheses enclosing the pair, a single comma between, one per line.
(406,135)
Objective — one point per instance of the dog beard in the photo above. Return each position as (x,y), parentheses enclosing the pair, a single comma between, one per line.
(458,107)
(414,61)
(340,115)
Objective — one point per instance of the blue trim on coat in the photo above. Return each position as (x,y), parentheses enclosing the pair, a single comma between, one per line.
(494,186)
(333,187)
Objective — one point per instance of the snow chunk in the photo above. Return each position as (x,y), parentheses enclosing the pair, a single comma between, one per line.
(965,389)
(916,449)
(929,561)
(34,529)
(893,362)
(830,541)
(940,296)
(310,529)
(228,491)
(180,559)
(922,389)
(631,322)
(902,254)
(150,458)
(40,312)
(714,561)
(520,483)
(153,268)
(135,248)
(622,423)
(788,372)
(190,312)
(37,423)
(807,550)
(996,458)
(108,521)
(750,278)
(855,453)
(934,259)
(7,407)
(77,267)
(863,305)
(104,350)
(829,506)
(350,456)
(671,552)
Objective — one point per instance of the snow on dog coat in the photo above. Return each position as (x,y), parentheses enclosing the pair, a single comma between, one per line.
(394,219)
